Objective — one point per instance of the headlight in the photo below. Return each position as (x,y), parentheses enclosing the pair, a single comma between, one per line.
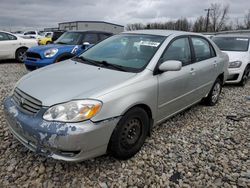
(73,111)
(50,52)
(235,64)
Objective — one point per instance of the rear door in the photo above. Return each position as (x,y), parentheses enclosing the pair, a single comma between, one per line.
(174,86)
(205,66)
(8,45)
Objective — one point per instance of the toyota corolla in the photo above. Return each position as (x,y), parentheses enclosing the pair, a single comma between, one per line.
(108,99)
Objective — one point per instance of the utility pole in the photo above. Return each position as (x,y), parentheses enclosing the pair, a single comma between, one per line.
(208,13)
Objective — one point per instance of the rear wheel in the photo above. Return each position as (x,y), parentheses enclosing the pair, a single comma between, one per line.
(245,76)
(21,54)
(214,93)
(48,42)
(129,134)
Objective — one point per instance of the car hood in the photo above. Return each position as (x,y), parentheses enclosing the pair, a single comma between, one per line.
(236,56)
(70,80)
(43,48)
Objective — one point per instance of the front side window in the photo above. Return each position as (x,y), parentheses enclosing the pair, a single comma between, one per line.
(91,38)
(202,49)
(130,51)
(232,43)
(69,38)
(178,50)
(3,36)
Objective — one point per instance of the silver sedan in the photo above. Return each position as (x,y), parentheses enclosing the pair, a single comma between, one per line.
(108,99)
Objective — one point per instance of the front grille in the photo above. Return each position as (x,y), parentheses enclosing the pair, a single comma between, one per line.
(33,55)
(26,103)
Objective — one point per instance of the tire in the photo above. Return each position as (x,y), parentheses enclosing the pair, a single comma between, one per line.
(62,58)
(129,134)
(21,54)
(30,68)
(214,93)
(245,76)
(48,42)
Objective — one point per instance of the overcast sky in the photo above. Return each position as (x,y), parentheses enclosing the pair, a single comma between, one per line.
(47,13)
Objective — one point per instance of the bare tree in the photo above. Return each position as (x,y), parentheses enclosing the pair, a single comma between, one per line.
(135,26)
(219,16)
(238,24)
(199,24)
(247,20)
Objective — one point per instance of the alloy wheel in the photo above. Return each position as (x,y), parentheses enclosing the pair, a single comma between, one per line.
(216,92)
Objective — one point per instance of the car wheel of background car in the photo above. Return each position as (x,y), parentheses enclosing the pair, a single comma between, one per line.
(245,76)
(129,134)
(48,42)
(21,54)
(62,58)
(214,94)
(30,68)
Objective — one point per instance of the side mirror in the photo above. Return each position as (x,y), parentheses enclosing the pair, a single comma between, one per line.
(85,45)
(170,65)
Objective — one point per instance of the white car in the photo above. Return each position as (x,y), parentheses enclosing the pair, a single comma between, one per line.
(31,34)
(14,47)
(238,49)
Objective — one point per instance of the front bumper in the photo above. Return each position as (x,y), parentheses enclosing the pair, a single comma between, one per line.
(37,63)
(63,141)
(234,75)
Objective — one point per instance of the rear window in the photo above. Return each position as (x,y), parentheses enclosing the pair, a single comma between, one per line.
(232,43)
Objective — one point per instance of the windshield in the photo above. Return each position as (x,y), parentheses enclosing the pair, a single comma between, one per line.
(70,38)
(232,43)
(130,51)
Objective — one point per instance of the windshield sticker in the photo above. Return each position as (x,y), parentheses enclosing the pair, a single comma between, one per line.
(241,39)
(149,43)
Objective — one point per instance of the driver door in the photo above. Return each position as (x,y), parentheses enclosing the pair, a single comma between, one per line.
(174,86)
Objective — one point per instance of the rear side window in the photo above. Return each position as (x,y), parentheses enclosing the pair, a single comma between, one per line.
(91,38)
(11,37)
(202,49)
(178,50)
(3,36)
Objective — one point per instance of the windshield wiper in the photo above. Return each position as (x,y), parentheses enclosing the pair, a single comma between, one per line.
(101,63)
(86,60)
(117,67)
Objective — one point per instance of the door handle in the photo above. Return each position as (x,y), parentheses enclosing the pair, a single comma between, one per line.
(215,64)
(192,71)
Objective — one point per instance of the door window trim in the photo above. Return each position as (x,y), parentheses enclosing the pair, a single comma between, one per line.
(211,48)
(156,71)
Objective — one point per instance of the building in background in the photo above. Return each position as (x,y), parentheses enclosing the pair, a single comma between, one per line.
(47,29)
(91,25)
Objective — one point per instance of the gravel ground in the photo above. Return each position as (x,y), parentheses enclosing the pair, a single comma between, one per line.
(197,148)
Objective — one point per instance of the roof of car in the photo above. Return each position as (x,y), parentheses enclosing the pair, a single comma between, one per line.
(83,31)
(161,32)
(233,35)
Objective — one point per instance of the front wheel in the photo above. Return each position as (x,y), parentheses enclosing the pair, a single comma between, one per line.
(30,68)
(129,134)
(214,93)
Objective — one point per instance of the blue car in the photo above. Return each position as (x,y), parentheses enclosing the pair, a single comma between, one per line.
(70,44)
